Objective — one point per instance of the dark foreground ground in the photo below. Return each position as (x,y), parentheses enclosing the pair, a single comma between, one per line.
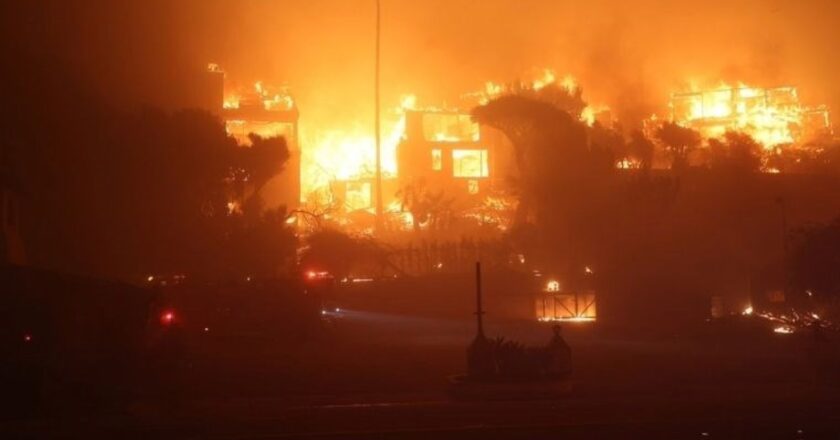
(381,376)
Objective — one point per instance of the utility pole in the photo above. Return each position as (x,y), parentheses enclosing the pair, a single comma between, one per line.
(378,138)
(480,361)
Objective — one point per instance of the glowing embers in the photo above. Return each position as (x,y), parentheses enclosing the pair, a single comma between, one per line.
(552,305)
(470,163)
(784,330)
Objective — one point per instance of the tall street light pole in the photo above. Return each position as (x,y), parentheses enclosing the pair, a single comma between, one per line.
(378,138)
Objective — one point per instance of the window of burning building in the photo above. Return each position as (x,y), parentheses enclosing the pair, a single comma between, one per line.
(470,163)
(449,127)
(357,196)
(240,129)
(437,159)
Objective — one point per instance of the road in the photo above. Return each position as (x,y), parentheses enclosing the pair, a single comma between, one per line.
(384,377)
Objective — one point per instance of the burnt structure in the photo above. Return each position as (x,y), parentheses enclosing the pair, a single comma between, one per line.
(261,113)
(263,118)
(447,150)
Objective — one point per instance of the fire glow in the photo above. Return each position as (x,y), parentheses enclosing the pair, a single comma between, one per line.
(772,116)
(344,150)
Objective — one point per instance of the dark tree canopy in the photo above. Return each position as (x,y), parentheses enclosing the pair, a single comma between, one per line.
(121,193)
(815,262)
(680,142)
(736,152)
(641,148)
(565,176)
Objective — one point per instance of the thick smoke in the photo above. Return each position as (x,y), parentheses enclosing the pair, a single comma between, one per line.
(627,55)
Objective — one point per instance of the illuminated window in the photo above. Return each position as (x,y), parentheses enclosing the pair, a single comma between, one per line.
(437,160)
(472,186)
(357,196)
(469,163)
(449,127)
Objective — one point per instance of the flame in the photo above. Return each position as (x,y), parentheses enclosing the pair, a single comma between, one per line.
(231,102)
(785,330)
(570,84)
(347,153)
(273,101)
(545,78)
(628,164)
(772,116)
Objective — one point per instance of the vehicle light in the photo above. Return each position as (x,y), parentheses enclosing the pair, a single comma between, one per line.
(167,317)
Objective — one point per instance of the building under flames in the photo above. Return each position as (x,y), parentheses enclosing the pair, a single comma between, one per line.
(440,150)
(446,150)
(263,112)
(773,116)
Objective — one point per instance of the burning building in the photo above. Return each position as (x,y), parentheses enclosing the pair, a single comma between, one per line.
(269,116)
(265,112)
(445,149)
(772,116)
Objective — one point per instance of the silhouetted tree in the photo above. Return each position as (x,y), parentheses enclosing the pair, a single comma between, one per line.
(607,142)
(263,160)
(815,262)
(125,192)
(736,152)
(680,142)
(641,148)
(544,137)
(565,184)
